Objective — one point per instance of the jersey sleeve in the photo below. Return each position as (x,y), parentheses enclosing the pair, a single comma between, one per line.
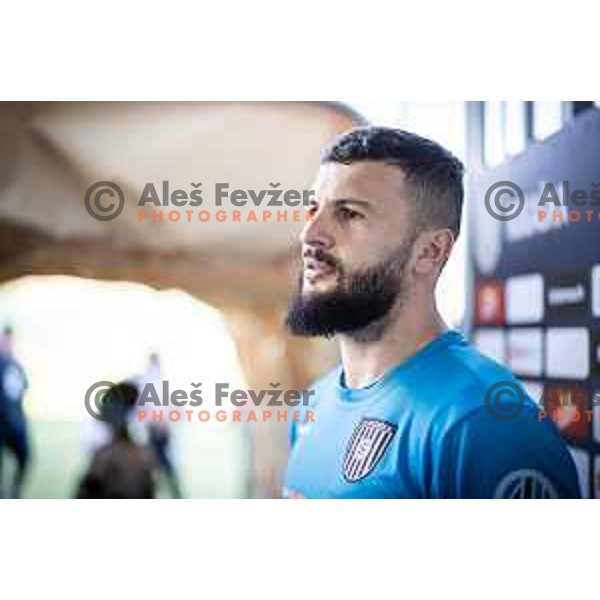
(484,457)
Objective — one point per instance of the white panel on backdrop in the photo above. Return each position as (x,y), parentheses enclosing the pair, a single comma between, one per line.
(596,291)
(568,352)
(525,299)
(596,422)
(525,351)
(492,342)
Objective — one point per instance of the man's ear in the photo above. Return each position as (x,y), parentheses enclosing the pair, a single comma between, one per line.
(432,249)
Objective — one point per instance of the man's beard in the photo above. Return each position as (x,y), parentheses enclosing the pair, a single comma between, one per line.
(357,306)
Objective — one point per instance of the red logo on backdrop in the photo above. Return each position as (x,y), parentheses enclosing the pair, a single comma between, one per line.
(489,303)
(569,408)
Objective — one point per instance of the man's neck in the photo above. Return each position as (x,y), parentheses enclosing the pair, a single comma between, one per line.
(405,330)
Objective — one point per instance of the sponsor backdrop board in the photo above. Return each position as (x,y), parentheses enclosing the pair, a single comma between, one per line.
(535,252)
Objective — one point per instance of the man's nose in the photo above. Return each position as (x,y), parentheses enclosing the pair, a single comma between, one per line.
(317,232)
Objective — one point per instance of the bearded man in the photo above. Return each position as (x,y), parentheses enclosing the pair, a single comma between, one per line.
(412,411)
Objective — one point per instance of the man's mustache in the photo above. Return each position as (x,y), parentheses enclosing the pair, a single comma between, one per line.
(319,255)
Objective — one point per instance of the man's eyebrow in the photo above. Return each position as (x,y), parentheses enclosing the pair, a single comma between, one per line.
(365,204)
(357,201)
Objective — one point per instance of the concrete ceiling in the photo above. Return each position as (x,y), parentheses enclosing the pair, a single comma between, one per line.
(50,153)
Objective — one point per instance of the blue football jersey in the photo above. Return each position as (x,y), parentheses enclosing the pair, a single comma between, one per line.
(425,430)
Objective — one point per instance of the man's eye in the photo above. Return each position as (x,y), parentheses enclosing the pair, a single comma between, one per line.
(312,209)
(349,214)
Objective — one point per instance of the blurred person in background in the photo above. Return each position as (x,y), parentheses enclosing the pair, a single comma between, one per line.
(13,422)
(96,434)
(159,430)
(122,468)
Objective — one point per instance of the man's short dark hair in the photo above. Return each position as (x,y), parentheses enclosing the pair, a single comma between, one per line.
(433,173)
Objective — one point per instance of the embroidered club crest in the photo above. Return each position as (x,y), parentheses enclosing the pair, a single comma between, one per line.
(367,445)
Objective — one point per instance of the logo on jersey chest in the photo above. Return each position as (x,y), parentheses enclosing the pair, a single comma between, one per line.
(368,443)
